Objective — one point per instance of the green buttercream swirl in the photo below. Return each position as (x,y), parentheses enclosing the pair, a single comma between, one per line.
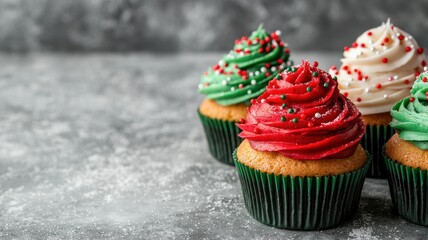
(411,118)
(244,73)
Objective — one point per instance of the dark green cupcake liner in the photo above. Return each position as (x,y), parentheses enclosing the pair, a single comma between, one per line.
(409,191)
(222,137)
(301,203)
(373,141)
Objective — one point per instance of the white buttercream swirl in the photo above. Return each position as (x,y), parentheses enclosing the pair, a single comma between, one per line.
(380,68)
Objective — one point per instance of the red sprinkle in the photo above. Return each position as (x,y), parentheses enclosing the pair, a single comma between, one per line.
(287,50)
(379,86)
(279,61)
(417,74)
(345,94)
(358,99)
(247,51)
(386,39)
(408,49)
(257,130)
(267,74)
(267,49)
(241,85)
(420,50)
(242,120)
(346,48)
(412,99)
(345,67)
(360,78)
(362,45)
(310,124)
(406,81)
(424,80)
(315,64)
(267,39)
(249,42)
(267,65)
(423,63)
(260,50)
(262,42)
(401,37)
(354,44)
(369,33)
(384,60)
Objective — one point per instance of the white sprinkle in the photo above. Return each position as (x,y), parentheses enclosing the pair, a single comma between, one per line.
(385,96)
(241,54)
(317,115)
(221,62)
(200,86)
(263,100)
(224,82)
(273,69)
(395,77)
(425,68)
(255,42)
(367,90)
(257,73)
(410,37)
(282,65)
(263,69)
(249,91)
(232,89)
(217,72)
(370,41)
(253,82)
(412,46)
(397,34)
(250,74)
(392,37)
(288,63)
(285,44)
(274,43)
(347,84)
(228,78)
(278,32)
(377,52)
(406,39)
(385,47)
(351,80)
(372,49)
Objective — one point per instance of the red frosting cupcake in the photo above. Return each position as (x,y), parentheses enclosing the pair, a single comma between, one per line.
(302,128)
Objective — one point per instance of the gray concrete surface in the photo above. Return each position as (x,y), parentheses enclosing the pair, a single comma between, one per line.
(109,146)
(196,25)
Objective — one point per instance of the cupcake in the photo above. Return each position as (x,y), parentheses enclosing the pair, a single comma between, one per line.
(406,154)
(301,165)
(230,85)
(377,71)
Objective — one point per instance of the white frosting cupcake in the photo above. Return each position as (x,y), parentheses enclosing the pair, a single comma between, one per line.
(380,68)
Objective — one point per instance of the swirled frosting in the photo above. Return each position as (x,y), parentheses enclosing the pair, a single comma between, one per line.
(410,115)
(244,73)
(379,68)
(303,116)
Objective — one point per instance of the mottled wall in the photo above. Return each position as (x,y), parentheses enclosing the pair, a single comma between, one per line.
(192,25)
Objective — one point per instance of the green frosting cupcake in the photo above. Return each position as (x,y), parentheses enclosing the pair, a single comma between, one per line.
(244,73)
(410,115)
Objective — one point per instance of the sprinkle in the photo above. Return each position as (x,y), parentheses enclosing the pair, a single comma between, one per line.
(251,74)
(358,99)
(315,74)
(278,77)
(424,79)
(390,78)
(406,81)
(295,120)
(425,68)
(367,90)
(420,50)
(232,89)
(346,48)
(290,110)
(372,49)
(267,74)
(347,84)
(283,97)
(257,73)
(308,89)
(378,86)
(395,77)
(253,82)
(317,115)
(228,78)
(345,94)
(369,33)
(263,69)
(362,45)
(293,69)
(335,78)
(257,130)
(384,60)
(377,52)
(249,91)
(241,85)
(385,96)
(273,69)
(263,100)
(315,64)
(278,32)
(386,39)
(411,99)
(310,124)
(200,86)
(283,119)
(284,105)
(326,85)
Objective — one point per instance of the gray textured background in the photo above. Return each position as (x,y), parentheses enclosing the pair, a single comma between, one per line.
(191,25)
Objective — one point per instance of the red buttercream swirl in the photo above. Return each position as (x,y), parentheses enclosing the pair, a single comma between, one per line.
(303,116)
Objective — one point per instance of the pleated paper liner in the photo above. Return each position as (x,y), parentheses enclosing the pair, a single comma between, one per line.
(409,191)
(373,141)
(222,138)
(301,203)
